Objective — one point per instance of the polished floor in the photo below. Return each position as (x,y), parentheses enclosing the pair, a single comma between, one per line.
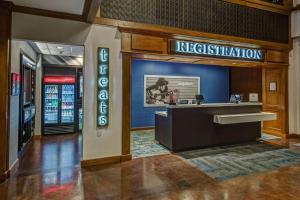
(50,170)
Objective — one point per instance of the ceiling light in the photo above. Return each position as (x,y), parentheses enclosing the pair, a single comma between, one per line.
(60,47)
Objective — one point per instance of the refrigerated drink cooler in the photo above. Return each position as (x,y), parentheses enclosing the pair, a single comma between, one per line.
(59,104)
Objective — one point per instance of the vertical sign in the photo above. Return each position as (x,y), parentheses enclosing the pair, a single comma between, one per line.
(103,87)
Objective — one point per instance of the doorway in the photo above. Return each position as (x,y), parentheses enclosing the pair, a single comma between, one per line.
(47,103)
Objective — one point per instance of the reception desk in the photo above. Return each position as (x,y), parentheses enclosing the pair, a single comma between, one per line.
(192,126)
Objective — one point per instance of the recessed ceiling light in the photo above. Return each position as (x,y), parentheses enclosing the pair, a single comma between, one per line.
(59,47)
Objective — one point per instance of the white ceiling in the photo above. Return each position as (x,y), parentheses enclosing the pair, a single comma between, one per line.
(58,49)
(66,6)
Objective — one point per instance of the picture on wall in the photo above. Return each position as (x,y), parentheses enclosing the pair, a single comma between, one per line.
(15,84)
(160,90)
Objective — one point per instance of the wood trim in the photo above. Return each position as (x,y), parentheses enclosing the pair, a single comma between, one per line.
(296,7)
(293,136)
(100,161)
(90,10)
(143,128)
(126,71)
(47,13)
(37,137)
(276,143)
(173,33)
(105,161)
(4,176)
(290,32)
(273,133)
(282,9)
(5,55)
(277,57)
(125,158)
(286,105)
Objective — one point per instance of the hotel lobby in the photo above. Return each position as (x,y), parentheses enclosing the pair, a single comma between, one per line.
(193,99)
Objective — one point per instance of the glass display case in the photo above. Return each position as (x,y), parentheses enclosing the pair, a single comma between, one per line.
(59,104)
(51,104)
(67,104)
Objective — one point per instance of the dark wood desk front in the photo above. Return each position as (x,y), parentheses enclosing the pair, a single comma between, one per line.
(189,127)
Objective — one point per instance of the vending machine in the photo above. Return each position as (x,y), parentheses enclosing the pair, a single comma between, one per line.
(59,104)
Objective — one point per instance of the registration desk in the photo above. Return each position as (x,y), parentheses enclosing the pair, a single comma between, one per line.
(192,126)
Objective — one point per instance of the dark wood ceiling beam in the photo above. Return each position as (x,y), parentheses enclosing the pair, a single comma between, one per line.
(90,10)
(46,13)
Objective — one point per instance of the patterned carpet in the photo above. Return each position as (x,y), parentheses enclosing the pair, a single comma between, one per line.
(143,144)
(221,163)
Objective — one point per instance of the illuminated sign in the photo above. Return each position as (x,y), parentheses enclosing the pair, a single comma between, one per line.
(204,49)
(103,87)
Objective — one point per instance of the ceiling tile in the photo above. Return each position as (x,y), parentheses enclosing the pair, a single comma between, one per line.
(67,50)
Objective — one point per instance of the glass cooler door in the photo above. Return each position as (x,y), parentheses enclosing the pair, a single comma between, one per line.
(67,104)
(51,104)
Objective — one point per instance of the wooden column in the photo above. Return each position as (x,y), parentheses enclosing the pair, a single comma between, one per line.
(126,71)
(5,37)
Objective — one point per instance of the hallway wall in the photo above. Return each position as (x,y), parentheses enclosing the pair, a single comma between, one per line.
(38,96)
(16,47)
(294,75)
(98,143)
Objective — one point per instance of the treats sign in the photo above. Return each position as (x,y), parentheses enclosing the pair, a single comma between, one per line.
(103,87)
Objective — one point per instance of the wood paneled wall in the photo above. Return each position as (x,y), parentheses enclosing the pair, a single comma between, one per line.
(276,101)
(5,37)
(245,81)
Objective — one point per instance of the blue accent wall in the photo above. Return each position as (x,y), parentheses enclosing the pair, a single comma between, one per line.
(214,85)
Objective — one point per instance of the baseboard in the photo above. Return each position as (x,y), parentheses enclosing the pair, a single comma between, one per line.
(290,136)
(4,176)
(37,137)
(105,161)
(142,128)
(13,168)
(125,158)
(276,144)
(274,133)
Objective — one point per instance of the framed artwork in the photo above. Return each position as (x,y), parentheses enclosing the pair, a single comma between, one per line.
(159,89)
(15,84)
